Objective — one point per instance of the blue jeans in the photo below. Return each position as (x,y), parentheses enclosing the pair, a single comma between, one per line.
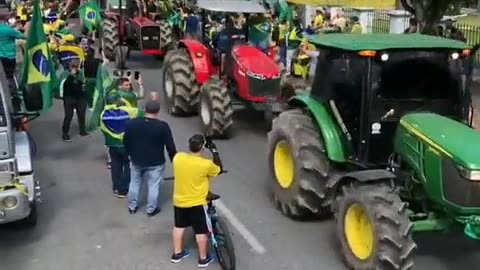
(154,176)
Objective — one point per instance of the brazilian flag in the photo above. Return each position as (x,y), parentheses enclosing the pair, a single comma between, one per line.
(90,15)
(39,80)
(103,84)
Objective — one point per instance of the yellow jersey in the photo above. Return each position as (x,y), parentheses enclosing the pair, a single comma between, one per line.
(192,175)
(357,28)
(318,21)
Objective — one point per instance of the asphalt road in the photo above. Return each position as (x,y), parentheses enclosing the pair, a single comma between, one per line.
(82,226)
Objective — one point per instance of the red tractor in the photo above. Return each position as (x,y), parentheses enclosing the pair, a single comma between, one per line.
(193,81)
(127,26)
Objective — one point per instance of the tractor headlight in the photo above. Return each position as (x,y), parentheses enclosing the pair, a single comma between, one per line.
(472,175)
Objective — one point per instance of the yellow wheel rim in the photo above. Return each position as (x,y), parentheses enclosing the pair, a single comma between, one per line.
(283,164)
(359,231)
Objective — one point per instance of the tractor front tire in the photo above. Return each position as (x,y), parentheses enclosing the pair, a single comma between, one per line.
(299,166)
(181,91)
(373,227)
(166,36)
(216,110)
(121,53)
(110,38)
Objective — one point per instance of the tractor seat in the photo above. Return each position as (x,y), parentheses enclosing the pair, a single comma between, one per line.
(254,60)
(449,137)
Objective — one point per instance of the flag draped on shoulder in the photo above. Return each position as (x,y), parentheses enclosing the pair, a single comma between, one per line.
(103,84)
(38,70)
(90,15)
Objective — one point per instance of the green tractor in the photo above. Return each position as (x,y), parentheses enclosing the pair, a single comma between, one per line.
(384,142)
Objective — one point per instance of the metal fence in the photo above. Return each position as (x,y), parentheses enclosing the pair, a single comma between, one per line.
(472,34)
(380,21)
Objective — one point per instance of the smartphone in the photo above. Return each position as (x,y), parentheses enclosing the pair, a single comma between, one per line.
(137,75)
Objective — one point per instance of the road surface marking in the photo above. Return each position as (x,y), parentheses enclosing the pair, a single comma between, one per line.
(238,225)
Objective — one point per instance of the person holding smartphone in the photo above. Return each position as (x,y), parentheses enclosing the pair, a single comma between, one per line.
(193,173)
(74,99)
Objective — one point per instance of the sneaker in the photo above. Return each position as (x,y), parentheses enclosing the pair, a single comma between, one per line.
(154,212)
(206,262)
(109,165)
(66,138)
(85,134)
(176,258)
(121,195)
(115,192)
(132,211)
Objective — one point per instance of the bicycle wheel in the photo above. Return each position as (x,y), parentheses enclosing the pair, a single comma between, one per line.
(224,248)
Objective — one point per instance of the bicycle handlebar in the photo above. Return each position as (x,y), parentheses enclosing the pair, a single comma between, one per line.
(170,178)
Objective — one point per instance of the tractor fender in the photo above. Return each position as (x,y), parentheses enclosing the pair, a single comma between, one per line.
(201,59)
(334,139)
(361,176)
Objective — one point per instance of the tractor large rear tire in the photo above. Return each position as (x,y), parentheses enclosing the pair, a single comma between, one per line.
(166,36)
(110,37)
(216,110)
(299,166)
(373,227)
(181,91)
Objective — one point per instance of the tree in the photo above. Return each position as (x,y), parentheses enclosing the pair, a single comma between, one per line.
(429,12)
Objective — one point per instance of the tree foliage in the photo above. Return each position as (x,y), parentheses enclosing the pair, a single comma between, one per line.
(429,12)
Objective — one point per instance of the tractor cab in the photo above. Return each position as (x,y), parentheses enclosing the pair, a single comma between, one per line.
(219,74)
(372,81)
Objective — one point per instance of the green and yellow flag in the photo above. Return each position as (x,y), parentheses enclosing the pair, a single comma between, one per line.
(102,86)
(90,15)
(38,70)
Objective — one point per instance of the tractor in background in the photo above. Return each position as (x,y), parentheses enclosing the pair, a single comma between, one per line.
(195,82)
(388,155)
(127,26)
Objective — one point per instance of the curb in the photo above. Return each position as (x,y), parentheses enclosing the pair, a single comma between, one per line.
(476,119)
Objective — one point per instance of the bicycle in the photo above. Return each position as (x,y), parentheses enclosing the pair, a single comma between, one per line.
(220,237)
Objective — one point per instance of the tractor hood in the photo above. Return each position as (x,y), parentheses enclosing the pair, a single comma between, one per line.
(255,62)
(453,139)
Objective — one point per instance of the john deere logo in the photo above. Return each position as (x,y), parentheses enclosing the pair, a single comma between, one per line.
(40,62)
(91,15)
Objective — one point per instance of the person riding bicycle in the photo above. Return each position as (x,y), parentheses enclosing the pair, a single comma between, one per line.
(193,173)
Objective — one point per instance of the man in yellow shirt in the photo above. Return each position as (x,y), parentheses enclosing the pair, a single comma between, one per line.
(192,173)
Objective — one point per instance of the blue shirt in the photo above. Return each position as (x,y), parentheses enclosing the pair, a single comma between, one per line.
(191,24)
(8,35)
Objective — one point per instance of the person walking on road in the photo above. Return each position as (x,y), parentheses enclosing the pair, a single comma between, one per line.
(74,99)
(145,140)
(114,119)
(192,174)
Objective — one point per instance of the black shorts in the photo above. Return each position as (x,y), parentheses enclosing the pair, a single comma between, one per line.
(9,66)
(195,217)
